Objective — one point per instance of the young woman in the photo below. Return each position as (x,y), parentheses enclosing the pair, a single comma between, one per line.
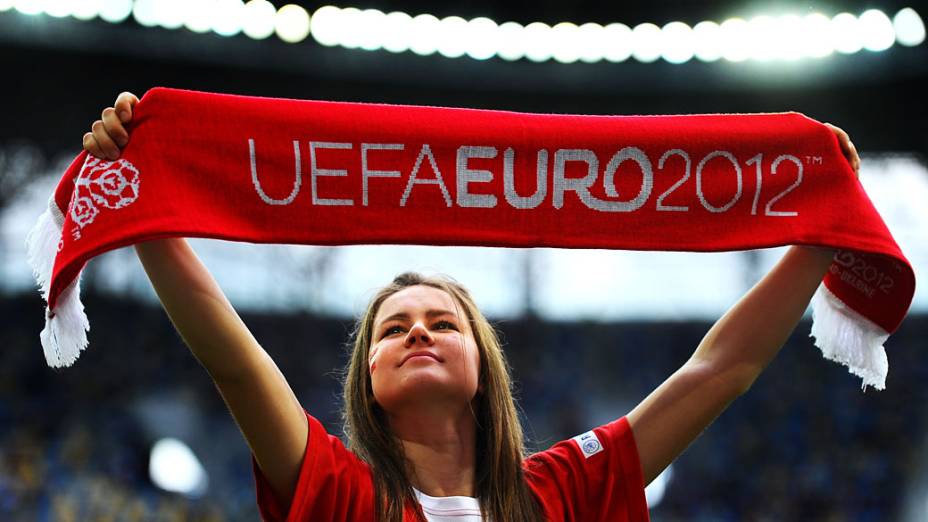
(431,423)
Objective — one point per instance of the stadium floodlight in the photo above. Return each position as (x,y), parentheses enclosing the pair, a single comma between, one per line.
(227,17)
(85,9)
(172,466)
(538,43)
(483,38)
(846,33)
(564,39)
(198,16)
(57,8)
(677,42)
(511,46)
(791,38)
(764,42)
(291,23)
(258,18)
(877,29)
(348,35)
(909,27)
(28,7)
(423,34)
(396,31)
(592,43)
(618,42)
(816,33)
(371,28)
(452,42)
(170,13)
(145,12)
(707,41)
(115,11)
(646,42)
(325,25)
(736,40)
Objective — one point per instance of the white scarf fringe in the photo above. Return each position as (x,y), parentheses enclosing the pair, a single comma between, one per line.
(65,332)
(848,338)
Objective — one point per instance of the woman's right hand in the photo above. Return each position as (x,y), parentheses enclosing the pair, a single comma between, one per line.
(108,135)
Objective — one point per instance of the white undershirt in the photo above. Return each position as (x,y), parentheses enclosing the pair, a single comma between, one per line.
(449,509)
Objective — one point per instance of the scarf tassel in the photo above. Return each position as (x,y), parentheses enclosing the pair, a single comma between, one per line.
(66,327)
(846,337)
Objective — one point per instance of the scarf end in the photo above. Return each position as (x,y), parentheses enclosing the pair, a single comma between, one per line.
(66,327)
(846,337)
(42,246)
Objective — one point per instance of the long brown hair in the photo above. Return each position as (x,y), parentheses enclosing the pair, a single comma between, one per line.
(499,485)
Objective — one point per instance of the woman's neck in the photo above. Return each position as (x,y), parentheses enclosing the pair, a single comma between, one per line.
(439,444)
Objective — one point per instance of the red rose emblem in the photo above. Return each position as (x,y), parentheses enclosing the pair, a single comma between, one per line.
(106,184)
(111,184)
(83,211)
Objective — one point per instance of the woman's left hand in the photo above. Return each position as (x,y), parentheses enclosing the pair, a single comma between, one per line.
(847,147)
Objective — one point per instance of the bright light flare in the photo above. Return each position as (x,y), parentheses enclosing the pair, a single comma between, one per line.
(708,43)
(877,29)
(646,42)
(258,18)
(291,23)
(618,42)
(452,42)
(677,41)
(909,27)
(511,42)
(172,466)
(325,25)
(845,33)
(483,38)
(736,40)
(424,34)
(538,42)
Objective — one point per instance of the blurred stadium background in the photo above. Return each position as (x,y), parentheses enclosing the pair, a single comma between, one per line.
(135,431)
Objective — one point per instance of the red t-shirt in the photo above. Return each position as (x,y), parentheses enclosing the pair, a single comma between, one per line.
(592,477)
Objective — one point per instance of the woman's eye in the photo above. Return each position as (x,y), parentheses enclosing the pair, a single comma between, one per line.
(445,325)
(393,330)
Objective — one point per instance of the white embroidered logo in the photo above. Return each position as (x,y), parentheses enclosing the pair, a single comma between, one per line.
(106,184)
(589,444)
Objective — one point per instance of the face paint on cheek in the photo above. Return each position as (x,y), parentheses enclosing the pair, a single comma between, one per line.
(370,359)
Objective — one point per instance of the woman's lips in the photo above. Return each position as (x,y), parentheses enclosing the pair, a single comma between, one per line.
(420,354)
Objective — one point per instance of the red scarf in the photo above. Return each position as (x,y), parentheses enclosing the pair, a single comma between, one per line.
(285,171)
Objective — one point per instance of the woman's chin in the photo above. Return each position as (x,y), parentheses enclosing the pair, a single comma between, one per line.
(423,387)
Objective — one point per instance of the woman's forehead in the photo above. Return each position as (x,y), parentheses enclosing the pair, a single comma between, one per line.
(418,298)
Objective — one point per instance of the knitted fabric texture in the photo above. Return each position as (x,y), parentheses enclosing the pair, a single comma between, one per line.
(266,170)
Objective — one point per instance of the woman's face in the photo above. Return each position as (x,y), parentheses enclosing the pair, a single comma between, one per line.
(422,350)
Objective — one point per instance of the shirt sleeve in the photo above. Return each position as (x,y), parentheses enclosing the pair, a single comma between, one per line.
(334,484)
(595,476)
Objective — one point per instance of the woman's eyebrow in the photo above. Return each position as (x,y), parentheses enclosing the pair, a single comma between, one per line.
(403,316)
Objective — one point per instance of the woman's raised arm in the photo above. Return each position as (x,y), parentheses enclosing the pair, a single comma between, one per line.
(257,394)
(732,354)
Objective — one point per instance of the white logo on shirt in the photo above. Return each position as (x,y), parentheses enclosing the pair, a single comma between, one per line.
(589,444)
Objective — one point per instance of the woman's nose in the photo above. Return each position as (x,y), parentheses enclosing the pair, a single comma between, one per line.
(419,334)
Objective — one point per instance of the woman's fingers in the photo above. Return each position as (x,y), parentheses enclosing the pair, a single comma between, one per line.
(847,147)
(104,141)
(91,146)
(114,127)
(125,104)
(108,134)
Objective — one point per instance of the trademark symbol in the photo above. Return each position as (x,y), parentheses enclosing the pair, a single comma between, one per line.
(813,160)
